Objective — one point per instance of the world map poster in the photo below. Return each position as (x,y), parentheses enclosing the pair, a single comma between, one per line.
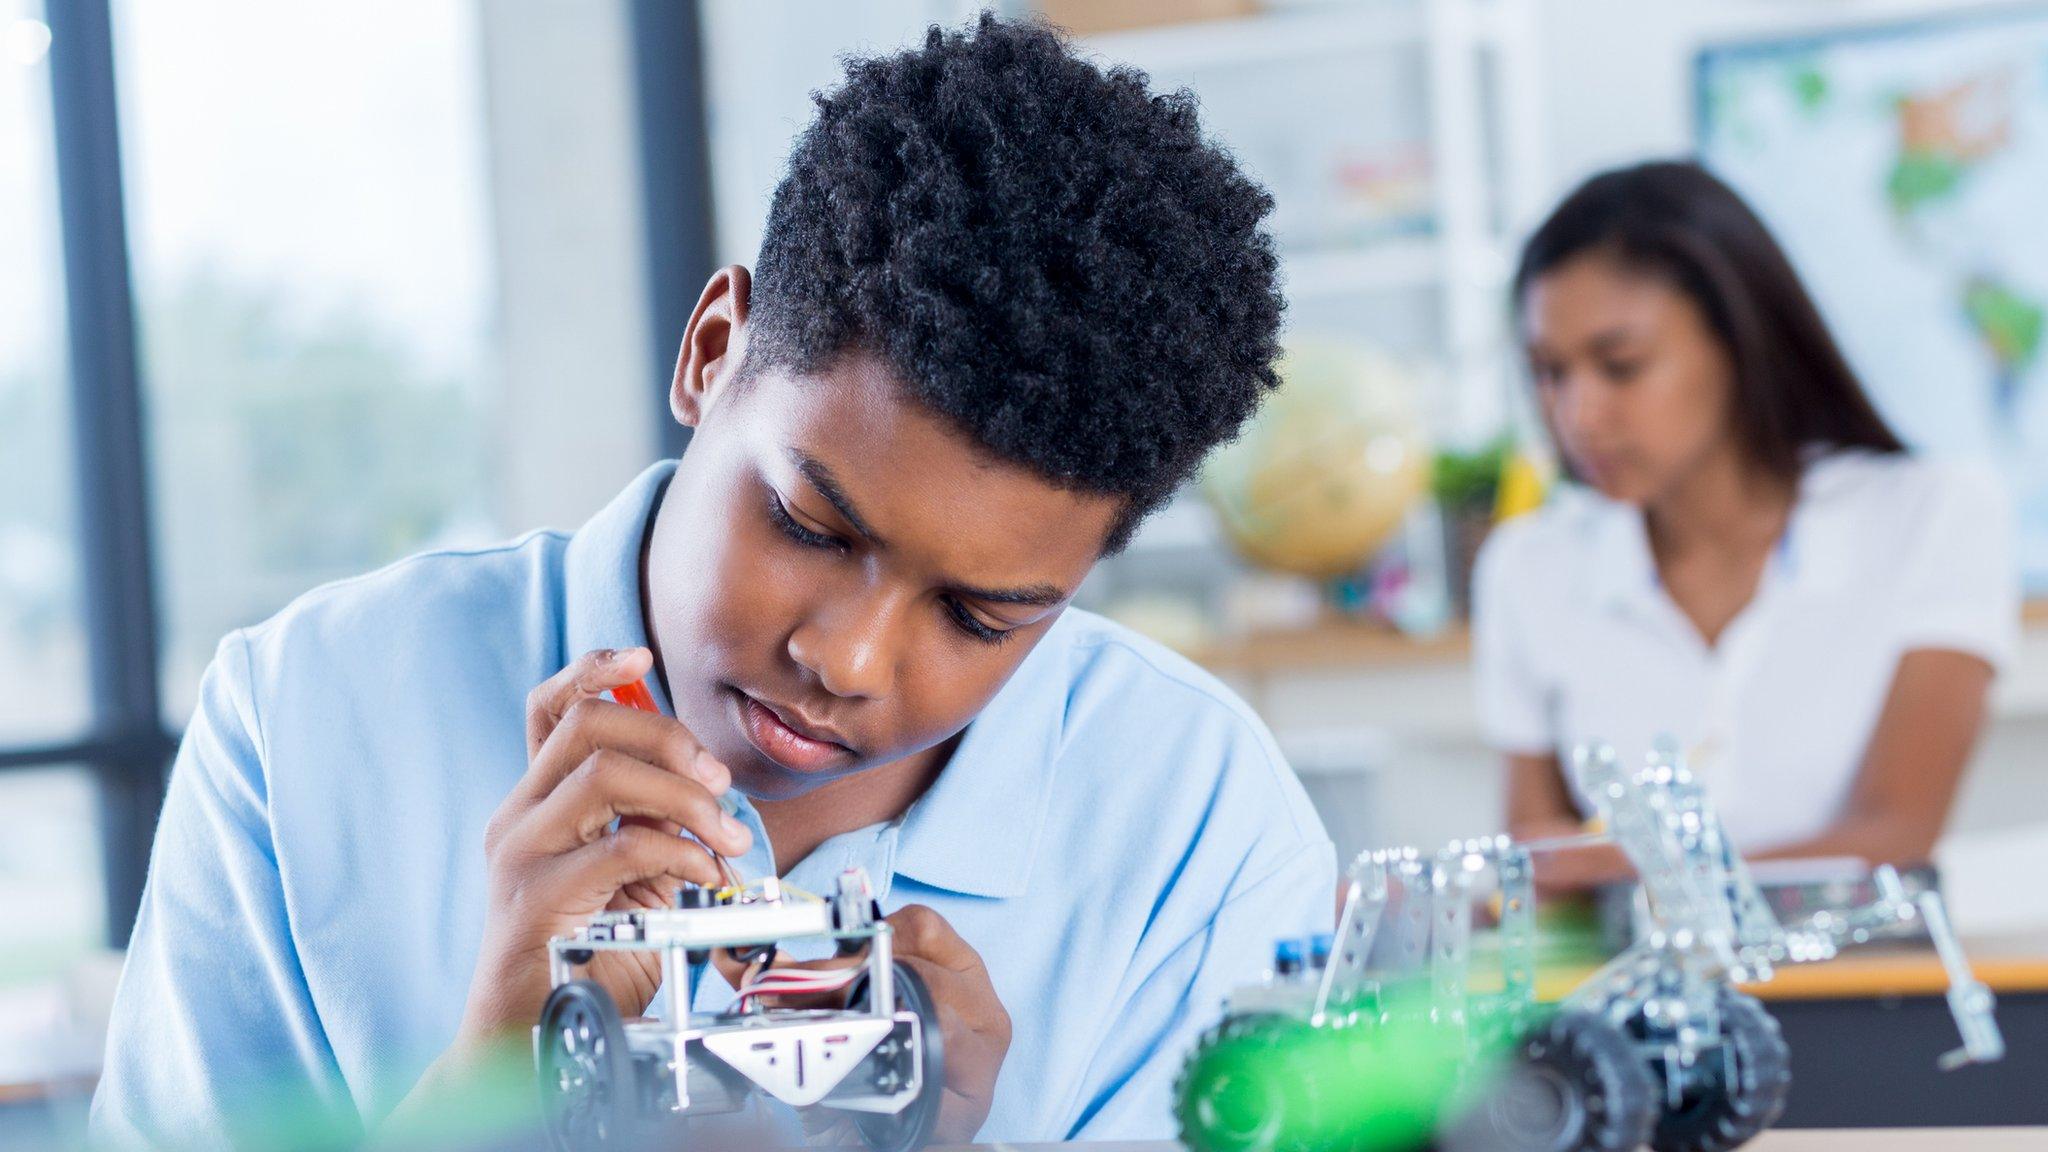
(1906,172)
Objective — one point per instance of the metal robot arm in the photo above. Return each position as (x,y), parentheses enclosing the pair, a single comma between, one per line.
(1972,1004)
(1694,885)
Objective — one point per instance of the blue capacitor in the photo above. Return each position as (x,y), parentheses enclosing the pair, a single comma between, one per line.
(1287,956)
(1319,947)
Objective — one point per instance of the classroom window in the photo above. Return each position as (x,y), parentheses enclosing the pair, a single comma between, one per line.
(52,892)
(314,293)
(42,642)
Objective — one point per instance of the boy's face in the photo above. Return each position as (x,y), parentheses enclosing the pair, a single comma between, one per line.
(839,579)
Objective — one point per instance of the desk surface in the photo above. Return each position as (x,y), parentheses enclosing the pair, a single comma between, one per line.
(1899,974)
(1904,1140)
(1865,976)
(1812,1140)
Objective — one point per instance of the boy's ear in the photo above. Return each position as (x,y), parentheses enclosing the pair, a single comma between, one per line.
(713,345)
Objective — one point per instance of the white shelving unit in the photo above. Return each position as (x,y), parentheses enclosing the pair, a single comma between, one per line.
(1479,121)
(1482,129)
(1389,265)
(1276,37)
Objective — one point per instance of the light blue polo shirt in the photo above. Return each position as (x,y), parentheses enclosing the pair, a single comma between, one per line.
(1116,835)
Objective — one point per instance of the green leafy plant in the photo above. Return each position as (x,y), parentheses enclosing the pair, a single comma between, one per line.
(1469,481)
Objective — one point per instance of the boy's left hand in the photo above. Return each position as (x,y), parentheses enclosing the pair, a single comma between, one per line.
(972,1019)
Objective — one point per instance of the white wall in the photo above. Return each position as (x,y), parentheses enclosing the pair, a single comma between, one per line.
(579,393)
(763,60)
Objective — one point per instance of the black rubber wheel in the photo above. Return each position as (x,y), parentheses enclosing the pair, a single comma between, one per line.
(1746,1087)
(587,1085)
(1579,1084)
(910,1129)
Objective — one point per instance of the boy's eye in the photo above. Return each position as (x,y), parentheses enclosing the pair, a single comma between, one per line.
(961,616)
(797,532)
(975,628)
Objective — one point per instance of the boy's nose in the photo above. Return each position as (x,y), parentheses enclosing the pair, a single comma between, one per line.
(851,647)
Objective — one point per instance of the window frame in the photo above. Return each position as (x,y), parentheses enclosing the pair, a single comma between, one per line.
(127,747)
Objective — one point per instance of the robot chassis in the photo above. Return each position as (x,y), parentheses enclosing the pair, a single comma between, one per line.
(1657,1047)
(608,1083)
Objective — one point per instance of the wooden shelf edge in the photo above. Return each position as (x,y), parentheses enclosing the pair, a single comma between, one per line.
(1855,978)
(1344,643)
(1334,643)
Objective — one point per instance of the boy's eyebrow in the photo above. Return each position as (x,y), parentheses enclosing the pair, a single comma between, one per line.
(821,478)
(1035,595)
(827,485)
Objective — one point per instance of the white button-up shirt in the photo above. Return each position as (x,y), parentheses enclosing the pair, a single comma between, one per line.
(1577,640)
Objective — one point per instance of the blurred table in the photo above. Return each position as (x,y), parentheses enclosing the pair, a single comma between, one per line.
(1905,1140)
(1896,1140)
(45,1115)
(1865,1031)
(1864,1045)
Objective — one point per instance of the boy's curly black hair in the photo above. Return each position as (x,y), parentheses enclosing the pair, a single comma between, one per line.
(1047,254)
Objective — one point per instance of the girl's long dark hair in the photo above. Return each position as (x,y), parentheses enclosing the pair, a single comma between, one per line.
(1793,387)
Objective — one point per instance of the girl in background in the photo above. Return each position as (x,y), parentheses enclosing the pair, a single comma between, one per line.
(1749,562)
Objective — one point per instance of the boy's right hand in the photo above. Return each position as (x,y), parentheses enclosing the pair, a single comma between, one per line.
(555,858)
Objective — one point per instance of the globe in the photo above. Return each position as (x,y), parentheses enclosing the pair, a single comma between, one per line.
(1325,473)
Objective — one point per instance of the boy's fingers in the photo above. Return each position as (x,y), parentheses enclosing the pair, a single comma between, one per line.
(591,674)
(923,933)
(611,785)
(593,874)
(977,1029)
(591,724)
(960,982)
(731,969)
(965,1000)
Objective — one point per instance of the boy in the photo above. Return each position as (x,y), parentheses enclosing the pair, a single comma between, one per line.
(1004,305)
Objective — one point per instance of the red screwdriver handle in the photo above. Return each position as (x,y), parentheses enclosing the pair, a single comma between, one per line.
(635,695)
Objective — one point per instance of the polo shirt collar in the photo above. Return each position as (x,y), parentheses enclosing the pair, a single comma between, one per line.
(601,573)
(977,830)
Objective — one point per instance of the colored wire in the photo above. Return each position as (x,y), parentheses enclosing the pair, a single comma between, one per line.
(798,982)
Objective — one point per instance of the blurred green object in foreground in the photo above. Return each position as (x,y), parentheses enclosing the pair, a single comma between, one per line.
(493,1106)
(490,1106)
(1372,1078)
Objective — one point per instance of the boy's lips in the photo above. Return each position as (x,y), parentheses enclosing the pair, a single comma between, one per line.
(780,735)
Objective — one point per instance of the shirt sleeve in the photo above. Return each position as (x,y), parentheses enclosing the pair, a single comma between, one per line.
(1514,711)
(1185,993)
(214,1040)
(1960,588)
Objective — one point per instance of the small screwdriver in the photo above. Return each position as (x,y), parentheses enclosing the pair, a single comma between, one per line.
(636,695)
